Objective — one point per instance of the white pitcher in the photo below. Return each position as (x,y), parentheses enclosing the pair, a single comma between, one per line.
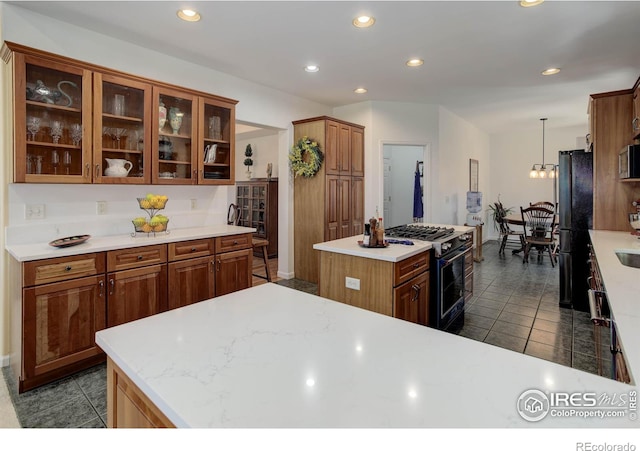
(117,167)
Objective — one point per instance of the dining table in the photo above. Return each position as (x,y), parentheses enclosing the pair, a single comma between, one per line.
(516,219)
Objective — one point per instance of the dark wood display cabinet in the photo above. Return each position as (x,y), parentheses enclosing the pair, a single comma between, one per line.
(258,202)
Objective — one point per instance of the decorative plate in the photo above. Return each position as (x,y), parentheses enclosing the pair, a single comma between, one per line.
(70,241)
(373,247)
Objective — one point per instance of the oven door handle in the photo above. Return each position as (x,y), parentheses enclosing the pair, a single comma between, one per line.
(448,261)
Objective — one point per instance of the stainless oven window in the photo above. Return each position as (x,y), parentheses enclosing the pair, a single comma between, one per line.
(451,283)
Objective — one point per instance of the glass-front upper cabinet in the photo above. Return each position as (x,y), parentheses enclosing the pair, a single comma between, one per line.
(52,121)
(122,130)
(216,132)
(174,130)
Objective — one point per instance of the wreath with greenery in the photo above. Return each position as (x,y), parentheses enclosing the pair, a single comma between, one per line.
(305,158)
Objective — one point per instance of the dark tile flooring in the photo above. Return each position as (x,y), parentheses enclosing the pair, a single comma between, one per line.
(515,306)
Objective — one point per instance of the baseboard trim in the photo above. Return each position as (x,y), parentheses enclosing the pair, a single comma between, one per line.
(4,361)
(286,275)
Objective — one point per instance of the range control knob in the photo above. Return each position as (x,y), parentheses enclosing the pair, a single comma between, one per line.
(446,247)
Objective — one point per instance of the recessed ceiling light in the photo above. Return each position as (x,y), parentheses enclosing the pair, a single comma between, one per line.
(415,62)
(189,15)
(363,21)
(529,3)
(312,68)
(360,90)
(550,71)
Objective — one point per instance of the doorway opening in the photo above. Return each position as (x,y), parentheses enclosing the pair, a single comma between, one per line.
(399,168)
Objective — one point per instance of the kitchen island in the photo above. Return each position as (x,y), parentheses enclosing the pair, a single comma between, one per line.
(270,356)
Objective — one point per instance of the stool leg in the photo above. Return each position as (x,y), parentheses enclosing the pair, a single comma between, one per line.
(265,257)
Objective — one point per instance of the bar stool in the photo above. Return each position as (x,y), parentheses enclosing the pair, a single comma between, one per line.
(262,243)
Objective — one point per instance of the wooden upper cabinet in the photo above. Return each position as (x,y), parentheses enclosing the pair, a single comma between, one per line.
(173,136)
(76,122)
(357,152)
(331,149)
(216,141)
(52,108)
(122,130)
(344,150)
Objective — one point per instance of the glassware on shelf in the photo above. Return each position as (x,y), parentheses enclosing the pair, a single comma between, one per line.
(76,134)
(66,161)
(55,161)
(117,133)
(33,126)
(56,131)
(29,164)
(39,164)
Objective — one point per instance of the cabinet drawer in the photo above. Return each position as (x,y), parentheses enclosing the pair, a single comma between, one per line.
(190,249)
(233,242)
(410,267)
(136,257)
(62,268)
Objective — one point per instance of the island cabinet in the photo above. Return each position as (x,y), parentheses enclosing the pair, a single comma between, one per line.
(329,205)
(62,306)
(76,122)
(398,289)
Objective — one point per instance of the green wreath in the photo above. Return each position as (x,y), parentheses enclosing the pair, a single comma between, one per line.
(305,158)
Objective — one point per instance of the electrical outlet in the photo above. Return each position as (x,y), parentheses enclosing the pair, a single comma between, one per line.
(101,207)
(352,283)
(35,211)
(194,204)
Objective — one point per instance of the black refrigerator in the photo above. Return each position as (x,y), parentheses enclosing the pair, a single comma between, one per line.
(575,216)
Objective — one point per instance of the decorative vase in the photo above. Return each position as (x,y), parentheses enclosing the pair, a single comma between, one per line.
(175,119)
(162,115)
(248,173)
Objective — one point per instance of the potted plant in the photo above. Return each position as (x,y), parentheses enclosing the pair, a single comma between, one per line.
(498,213)
(248,162)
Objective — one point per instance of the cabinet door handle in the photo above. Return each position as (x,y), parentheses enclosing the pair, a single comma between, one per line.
(112,284)
(235,242)
(213,265)
(219,264)
(416,293)
(67,268)
(416,264)
(140,257)
(634,123)
(87,168)
(101,285)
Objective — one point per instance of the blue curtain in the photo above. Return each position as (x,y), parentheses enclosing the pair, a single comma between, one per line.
(418,211)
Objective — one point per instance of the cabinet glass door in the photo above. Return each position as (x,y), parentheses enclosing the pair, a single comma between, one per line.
(52,117)
(174,132)
(216,142)
(122,133)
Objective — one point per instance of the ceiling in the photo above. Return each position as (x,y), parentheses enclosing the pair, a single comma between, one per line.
(482,59)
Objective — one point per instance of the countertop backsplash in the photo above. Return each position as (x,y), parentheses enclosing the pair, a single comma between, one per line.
(72,209)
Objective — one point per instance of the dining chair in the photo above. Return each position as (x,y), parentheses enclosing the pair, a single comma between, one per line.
(539,224)
(544,204)
(506,231)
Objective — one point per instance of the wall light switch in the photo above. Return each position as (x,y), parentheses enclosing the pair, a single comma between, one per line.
(101,207)
(194,204)
(35,211)
(352,283)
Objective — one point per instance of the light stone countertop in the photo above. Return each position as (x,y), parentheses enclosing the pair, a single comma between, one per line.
(270,356)
(392,253)
(38,251)
(622,284)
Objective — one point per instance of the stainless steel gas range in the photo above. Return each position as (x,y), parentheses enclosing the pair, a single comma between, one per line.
(448,270)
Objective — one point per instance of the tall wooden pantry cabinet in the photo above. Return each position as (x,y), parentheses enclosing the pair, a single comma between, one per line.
(329,205)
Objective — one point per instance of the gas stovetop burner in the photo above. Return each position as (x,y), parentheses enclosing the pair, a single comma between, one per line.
(419,232)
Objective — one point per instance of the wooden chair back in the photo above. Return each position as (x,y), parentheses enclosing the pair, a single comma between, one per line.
(539,222)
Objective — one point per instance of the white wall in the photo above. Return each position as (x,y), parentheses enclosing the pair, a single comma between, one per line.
(513,154)
(265,150)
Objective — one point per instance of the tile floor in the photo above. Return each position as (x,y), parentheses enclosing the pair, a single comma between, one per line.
(514,306)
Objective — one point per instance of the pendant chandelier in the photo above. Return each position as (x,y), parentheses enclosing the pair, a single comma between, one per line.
(542,171)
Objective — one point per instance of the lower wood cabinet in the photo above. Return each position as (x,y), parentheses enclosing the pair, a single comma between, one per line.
(410,300)
(60,323)
(58,304)
(191,281)
(136,293)
(233,271)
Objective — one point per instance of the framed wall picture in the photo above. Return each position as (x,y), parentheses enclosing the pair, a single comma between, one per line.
(473,175)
